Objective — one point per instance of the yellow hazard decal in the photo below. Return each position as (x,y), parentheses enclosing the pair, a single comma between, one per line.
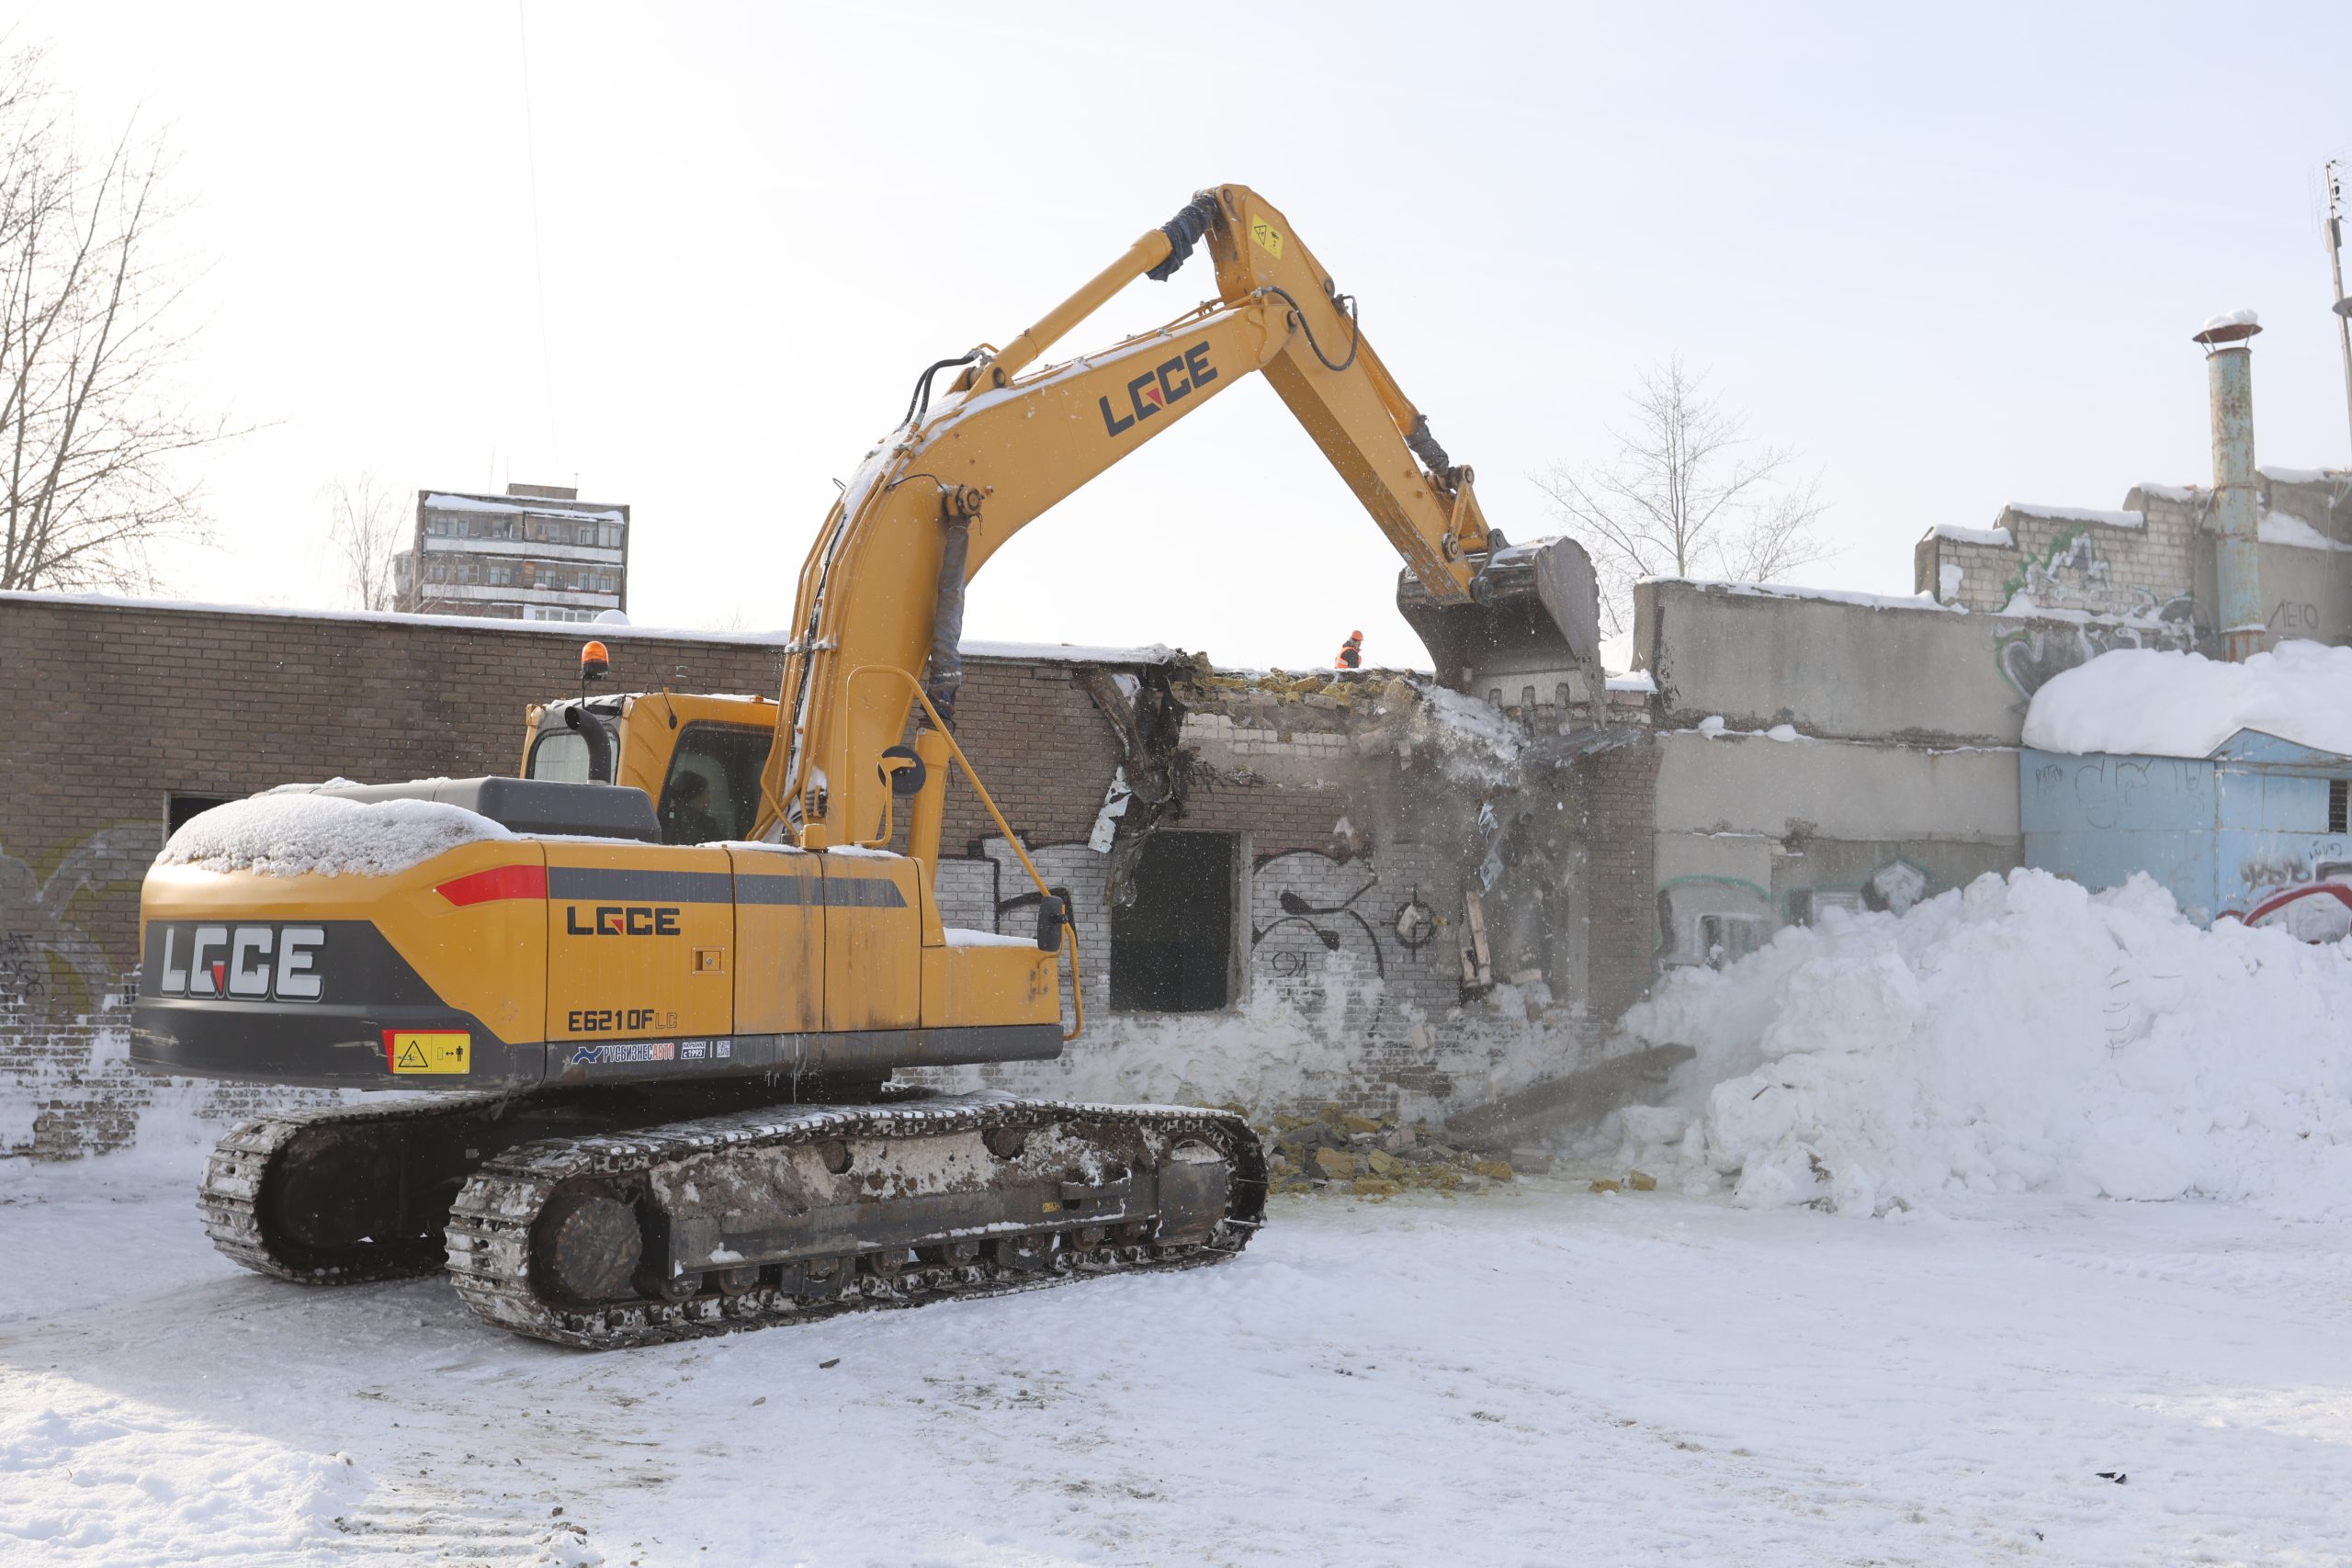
(1268,236)
(427,1051)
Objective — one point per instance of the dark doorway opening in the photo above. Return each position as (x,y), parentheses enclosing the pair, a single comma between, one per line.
(1172,950)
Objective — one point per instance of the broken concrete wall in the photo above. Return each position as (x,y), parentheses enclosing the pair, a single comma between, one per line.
(1839,668)
(1818,752)
(1370,813)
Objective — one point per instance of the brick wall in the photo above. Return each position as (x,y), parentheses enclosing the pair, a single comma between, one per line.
(128,703)
(2133,562)
(123,703)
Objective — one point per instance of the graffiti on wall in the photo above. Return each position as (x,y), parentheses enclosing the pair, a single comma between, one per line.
(1311,942)
(1320,929)
(1315,901)
(2072,578)
(48,964)
(1717,921)
(2304,890)
(1713,920)
(2110,791)
(2290,617)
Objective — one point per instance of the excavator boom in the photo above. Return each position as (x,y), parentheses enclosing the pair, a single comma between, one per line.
(883,587)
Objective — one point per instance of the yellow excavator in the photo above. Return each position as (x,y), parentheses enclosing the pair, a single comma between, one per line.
(673,964)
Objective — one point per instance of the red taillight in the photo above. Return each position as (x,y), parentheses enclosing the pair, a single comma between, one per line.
(498,882)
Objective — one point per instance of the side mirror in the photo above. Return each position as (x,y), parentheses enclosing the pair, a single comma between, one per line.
(1052,913)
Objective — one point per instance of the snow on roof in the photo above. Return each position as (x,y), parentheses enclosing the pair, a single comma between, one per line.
(1073,653)
(2078,515)
(607,630)
(2238,317)
(2138,702)
(1149,653)
(2284,528)
(2167,492)
(296,833)
(538,506)
(2304,476)
(2000,538)
(1827,595)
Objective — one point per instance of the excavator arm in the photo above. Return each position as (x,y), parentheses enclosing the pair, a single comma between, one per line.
(881,594)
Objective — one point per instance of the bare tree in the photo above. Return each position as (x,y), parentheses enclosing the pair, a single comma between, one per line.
(91,431)
(368,526)
(1686,494)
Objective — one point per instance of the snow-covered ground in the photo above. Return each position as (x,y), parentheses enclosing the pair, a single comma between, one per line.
(1543,1376)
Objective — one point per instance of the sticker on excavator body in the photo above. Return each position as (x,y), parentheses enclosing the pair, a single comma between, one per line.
(1268,236)
(426,1051)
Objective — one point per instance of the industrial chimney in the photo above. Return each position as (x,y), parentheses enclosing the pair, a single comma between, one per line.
(2237,560)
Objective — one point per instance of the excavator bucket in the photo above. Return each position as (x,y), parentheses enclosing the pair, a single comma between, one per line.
(1531,628)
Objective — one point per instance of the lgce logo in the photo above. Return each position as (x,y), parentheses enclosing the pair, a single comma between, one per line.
(1149,394)
(624,919)
(245,962)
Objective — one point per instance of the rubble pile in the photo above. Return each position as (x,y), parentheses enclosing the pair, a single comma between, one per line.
(1336,1151)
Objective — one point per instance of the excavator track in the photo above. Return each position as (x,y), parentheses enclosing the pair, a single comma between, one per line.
(352,1194)
(249,1161)
(891,1204)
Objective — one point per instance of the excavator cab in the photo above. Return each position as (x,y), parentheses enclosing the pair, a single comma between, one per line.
(696,758)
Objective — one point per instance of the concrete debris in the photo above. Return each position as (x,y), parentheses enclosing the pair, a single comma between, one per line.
(1641,1182)
(1336,1151)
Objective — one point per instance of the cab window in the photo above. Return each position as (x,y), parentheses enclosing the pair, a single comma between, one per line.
(713,790)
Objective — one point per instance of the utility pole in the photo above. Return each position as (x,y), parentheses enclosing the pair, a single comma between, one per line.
(2342,306)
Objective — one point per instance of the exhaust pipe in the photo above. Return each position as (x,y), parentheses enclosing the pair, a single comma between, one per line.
(2237,556)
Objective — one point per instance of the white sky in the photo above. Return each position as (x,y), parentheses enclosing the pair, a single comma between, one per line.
(1954,255)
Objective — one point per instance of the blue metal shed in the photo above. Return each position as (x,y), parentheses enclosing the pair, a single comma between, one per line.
(2257,830)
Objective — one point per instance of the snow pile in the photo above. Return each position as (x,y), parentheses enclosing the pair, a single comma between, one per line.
(2184,704)
(1286,1049)
(2018,1034)
(93,1473)
(299,834)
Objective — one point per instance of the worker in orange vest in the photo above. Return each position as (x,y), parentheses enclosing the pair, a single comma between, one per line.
(1351,653)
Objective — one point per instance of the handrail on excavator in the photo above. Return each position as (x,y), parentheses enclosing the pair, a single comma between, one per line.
(939,726)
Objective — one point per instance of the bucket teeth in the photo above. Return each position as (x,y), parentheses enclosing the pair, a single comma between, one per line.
(1533,618)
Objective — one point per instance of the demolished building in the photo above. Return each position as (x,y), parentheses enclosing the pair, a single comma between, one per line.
(1373,890)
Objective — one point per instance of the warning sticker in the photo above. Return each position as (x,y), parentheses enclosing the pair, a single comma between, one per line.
(1267,235)
(427,1051)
